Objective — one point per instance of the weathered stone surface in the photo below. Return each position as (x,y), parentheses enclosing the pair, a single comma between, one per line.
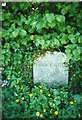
(51,68)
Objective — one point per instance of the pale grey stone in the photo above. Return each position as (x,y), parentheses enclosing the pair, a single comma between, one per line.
(51,68)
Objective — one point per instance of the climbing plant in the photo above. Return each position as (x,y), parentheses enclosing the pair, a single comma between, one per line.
(31,28)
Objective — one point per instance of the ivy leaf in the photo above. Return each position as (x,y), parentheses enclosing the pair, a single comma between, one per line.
(23,33)
(63,41)
(67,51)
(58,102)
(42,43)
(30,30)
(52,24)
(79,49)
(39,26)
(72,38)
(24,42)
(65,9)
(75,52)
(56,42)
(77,97)
(31,37)
(50,17)
(15,33)
(60,18)
(80,40)
(13,83)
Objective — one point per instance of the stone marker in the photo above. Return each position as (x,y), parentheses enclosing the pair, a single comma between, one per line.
(51,68)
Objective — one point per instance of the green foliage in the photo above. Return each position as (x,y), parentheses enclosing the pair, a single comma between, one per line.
(41,102)
(29,31)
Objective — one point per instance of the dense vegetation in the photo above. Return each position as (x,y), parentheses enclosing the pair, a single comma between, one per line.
(30,29)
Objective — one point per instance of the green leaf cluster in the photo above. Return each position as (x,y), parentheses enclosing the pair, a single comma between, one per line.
(28,30)
(41,102)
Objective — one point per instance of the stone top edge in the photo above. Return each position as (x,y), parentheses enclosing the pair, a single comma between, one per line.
(51,53)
